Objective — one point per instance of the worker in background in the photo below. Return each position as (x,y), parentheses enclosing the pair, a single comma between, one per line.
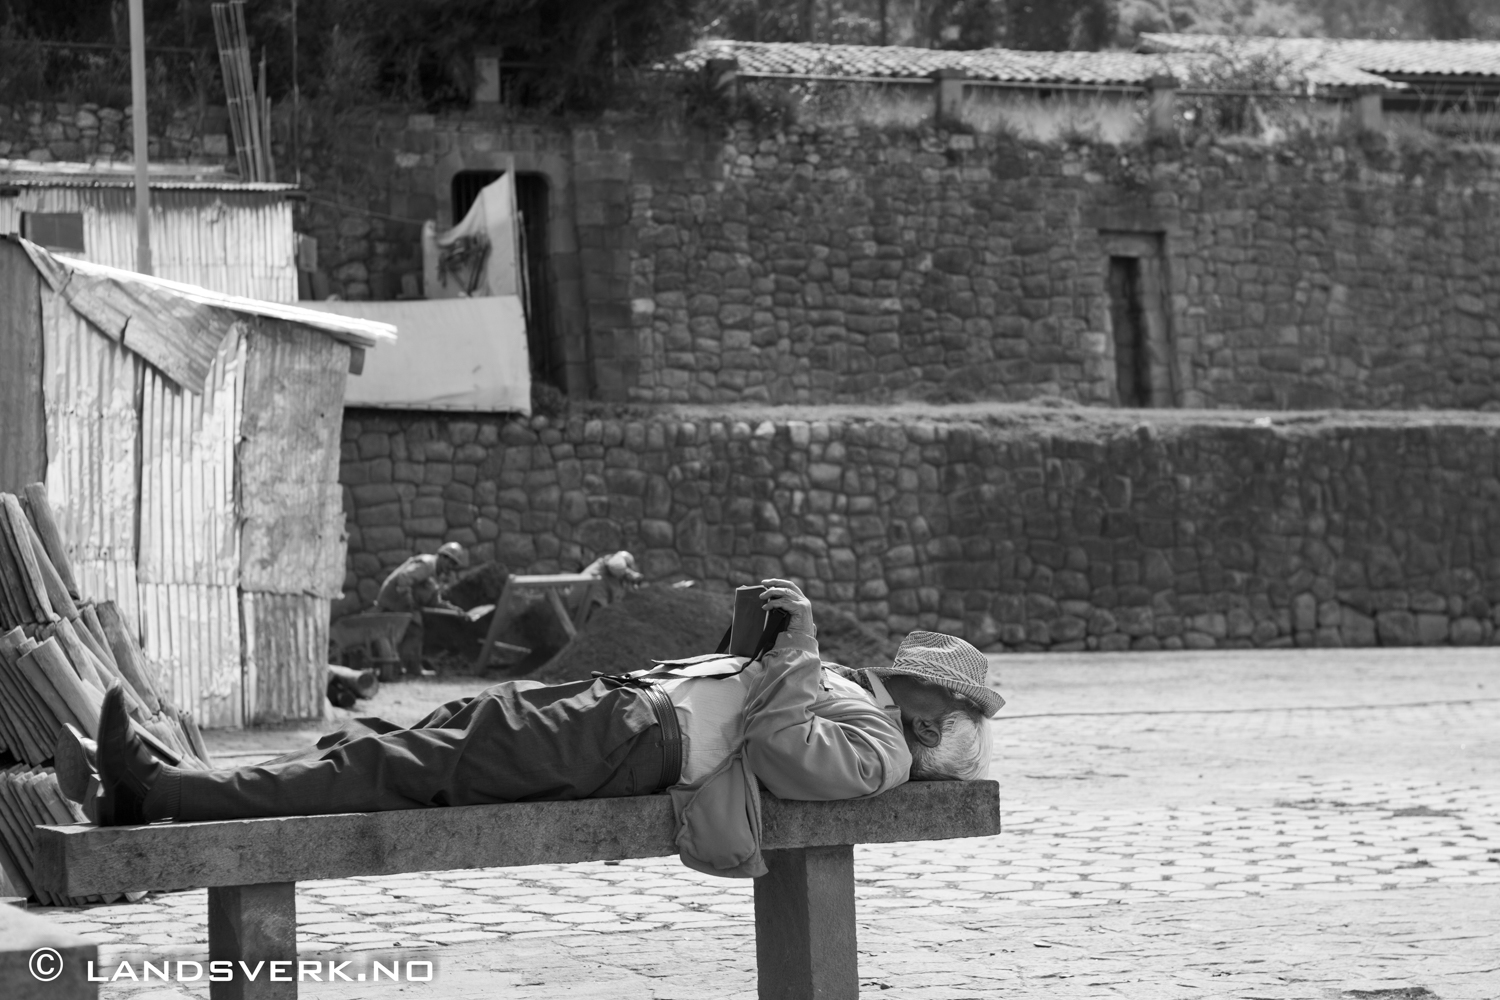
(420,582)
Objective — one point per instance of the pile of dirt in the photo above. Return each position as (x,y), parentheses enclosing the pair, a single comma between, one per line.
(661,623)
(477,585)
(652,623)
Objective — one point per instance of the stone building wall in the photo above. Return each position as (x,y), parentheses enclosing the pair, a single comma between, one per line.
(60,131)
(855,264)
(1027,530)
(790,264)
(849,264)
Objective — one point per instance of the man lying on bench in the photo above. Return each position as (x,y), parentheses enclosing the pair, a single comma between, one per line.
(703,729)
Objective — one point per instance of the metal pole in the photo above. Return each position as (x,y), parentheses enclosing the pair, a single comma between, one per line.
(141,141)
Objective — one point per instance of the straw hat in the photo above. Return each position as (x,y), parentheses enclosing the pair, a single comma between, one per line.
(947,661)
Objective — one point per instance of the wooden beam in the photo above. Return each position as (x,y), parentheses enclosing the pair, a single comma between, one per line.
(804,925)
(254,924)
(83,860)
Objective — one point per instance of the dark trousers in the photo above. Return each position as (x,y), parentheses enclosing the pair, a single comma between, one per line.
(513,742)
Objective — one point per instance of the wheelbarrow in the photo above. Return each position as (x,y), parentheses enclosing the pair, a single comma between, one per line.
(372,636)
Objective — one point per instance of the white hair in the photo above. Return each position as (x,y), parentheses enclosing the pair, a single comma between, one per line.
(962,754)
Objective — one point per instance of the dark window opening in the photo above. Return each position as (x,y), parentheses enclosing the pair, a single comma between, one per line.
(466,187)
(54,230)
(532,194)
(537,280)
(1132,353)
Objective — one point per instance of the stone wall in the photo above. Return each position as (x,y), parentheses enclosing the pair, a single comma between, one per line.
(61,131)
(856,264)
(831,264)
(849,264)
(1022,529)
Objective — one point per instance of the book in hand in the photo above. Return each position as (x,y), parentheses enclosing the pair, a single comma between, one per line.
(754,629)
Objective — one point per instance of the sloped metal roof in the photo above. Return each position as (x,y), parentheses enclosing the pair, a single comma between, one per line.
(1415,57)
(1103,69)
(175,326)
(178,177)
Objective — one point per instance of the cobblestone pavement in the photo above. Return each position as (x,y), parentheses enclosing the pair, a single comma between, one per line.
(1220,827)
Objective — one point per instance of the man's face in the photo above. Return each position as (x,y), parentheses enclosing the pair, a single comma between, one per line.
(922,705)
(446,565)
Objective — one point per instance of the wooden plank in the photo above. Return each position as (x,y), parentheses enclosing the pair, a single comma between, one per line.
(128,657)
(252,924)
(15,526)
(23,729)
(57,589)
(50,666)
(18,607)
(77,653)
(554,596)
(39,508)
(50,705)
(23,459)
(804,925)
(917,810)
(83,860)
(100,644)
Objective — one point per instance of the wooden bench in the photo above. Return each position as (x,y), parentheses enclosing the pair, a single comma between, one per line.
(804,908)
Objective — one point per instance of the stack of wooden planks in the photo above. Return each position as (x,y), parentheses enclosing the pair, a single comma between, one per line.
(59,653)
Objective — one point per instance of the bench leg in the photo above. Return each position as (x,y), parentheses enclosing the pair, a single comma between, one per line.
(250,924)
(804,925)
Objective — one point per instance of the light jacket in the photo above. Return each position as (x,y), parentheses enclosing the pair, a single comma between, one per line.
(808,734)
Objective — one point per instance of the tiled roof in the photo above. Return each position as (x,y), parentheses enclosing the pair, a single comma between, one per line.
(896,62)
(1416,57)
(1104,69)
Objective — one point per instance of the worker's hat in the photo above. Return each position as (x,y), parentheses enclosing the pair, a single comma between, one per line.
(456,552)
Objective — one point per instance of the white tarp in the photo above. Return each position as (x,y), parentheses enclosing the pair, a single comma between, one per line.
(481,255)
(449,354)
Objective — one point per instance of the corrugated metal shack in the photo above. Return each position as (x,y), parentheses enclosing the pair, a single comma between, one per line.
(189,441)
(207,228)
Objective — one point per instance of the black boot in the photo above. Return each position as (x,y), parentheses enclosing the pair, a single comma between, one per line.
(76,760)
(127,770)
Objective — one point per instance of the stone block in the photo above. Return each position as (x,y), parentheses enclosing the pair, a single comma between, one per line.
(1466,632)
(384,539)
(425,526)
(1432,629)
(1396,628)
(1356,629)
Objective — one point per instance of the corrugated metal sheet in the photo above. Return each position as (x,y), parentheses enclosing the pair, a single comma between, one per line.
(161,176)
(23,458)
(231,602)
(286,656)
(291,504)
(189,532)
(232,241)
(192,632)
(89,393)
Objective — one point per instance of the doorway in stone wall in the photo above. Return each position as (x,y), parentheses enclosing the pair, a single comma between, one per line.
(539,285)
(1136,287)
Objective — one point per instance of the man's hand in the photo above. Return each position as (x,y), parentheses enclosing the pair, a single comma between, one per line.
(787,596)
